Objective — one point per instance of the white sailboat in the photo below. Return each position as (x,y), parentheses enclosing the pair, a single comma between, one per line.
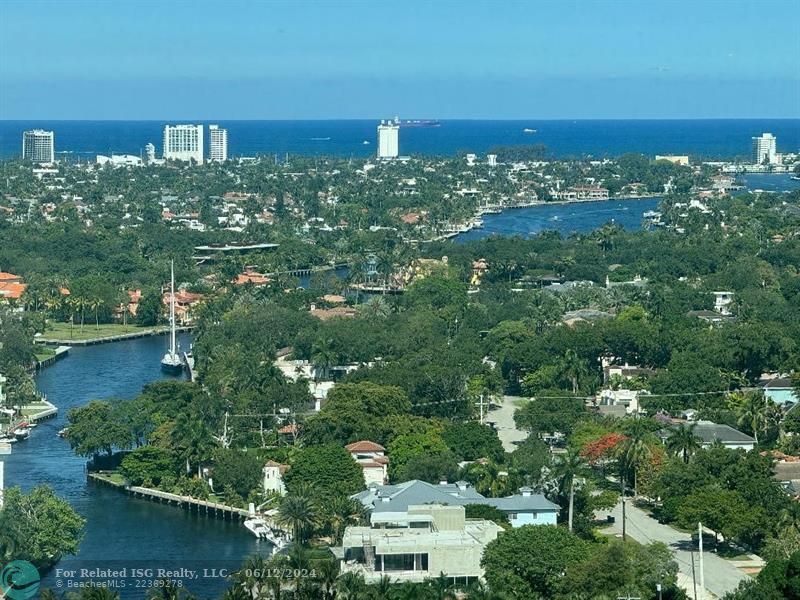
(171,363)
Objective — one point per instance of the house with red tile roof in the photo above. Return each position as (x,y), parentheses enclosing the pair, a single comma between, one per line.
(11,286)
(372,459)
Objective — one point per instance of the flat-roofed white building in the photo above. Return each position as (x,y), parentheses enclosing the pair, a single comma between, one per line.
(388,140)
(38,146)
(423,541)
(183,142)
(217,143)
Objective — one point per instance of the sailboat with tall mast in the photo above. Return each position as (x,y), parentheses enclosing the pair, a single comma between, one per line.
(172,363)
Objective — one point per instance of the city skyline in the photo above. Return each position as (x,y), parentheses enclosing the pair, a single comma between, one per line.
(316,61)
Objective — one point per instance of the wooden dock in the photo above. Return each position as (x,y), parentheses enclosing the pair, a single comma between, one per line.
(111,338)
(213,509)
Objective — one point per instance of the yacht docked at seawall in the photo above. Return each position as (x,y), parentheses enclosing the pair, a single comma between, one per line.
(171,362)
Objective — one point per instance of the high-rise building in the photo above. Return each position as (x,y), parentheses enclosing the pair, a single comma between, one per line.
(764,149)
(38,146)
(183,142)
(491,160)
(217,143)
(149,153)
(388,139)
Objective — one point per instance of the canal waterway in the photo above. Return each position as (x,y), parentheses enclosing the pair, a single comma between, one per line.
(121,532)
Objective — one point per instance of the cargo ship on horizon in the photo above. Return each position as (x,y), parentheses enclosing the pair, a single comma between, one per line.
(417,122)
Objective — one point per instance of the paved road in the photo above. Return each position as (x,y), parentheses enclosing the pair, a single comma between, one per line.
(721,575)
(503,418)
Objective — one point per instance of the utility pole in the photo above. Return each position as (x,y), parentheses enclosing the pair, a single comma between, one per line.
(622,482)
(480,403)
(702,573)
(694,580)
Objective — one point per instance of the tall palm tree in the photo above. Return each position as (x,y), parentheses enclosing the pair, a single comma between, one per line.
(323,357)
(340,512)
(574,369)
(95,304)
(751,411)
(636,449)
(683,441)
(570,467)
(300,514)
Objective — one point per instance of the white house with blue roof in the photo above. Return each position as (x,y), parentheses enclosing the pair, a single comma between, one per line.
(385,501)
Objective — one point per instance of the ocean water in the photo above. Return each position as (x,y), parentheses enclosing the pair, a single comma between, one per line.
(707,138)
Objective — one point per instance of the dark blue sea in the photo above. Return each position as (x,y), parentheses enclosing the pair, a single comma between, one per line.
(700,138)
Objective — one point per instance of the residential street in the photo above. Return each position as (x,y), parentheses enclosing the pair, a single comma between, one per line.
(721,575)
(503,418)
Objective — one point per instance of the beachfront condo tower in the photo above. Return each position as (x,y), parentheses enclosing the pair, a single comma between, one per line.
(183,142)
(764,149)
(388,139)
(38,146)
(217,143)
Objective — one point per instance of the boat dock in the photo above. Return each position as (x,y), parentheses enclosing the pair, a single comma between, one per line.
(111,338)
(206,507)
(188,360)
(61,352)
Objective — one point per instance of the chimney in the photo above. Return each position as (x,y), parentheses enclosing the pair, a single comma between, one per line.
(443,481)
(462,485)
(525,491)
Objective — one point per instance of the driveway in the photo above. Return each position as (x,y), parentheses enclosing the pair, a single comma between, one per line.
(503,419)
(721,575)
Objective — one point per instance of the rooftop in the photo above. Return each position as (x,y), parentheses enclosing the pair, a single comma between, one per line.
(397,498)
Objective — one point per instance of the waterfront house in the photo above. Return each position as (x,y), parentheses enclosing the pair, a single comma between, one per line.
(423,541)
(525,508)
(273,477)
(11,287)
(372,459)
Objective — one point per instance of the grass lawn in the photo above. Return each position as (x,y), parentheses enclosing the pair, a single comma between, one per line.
(65,331)
(113,477)
(43,353)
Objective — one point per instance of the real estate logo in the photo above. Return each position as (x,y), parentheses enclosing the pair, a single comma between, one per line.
(19,580)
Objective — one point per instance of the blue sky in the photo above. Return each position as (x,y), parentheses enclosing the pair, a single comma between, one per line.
(147,59)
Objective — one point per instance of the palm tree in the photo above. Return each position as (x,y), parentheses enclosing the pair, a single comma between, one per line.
(569,467)
(636,449)
(376,308)
(194,441)
(95,304)
(573,368)
(328,572)
(381,588)
(340,512)
(683,441)
(299,513)
(350,586)
(751,411)
(323,357)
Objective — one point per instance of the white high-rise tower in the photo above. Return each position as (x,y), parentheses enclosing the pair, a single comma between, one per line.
(764,149)
(38,146)
(217,143)
(149,153)
(388,139)
(183,142)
